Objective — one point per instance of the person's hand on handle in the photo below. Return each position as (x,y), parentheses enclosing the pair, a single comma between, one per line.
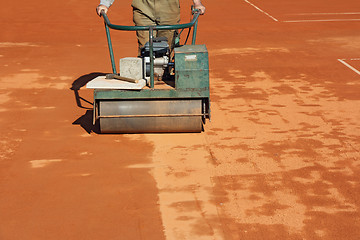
(100,8)
(198,5)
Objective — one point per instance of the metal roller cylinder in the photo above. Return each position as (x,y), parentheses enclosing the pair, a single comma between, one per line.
(150,116)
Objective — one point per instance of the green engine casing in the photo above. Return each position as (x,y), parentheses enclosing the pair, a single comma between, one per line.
(192,68)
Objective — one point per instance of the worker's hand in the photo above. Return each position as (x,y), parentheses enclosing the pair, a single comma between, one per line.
(100,8)
(198,5)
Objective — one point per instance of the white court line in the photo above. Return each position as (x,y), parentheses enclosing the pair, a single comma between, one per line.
(259,9)
(349,66)
(307,14)
(323,20)
(309,20)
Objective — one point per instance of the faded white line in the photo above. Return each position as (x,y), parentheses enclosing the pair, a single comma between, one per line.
(316,14)
(349,66)
(323,20)
(259,9)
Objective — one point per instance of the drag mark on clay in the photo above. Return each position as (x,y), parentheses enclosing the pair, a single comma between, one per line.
(17,44)
(273,205)
(4,97)
(276,178)
(8,146)
(343,42)
(31,80)
(180,169)
(38,108)
(248,51)
(43,163)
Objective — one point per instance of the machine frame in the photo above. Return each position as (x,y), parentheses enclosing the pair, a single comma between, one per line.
(186,86)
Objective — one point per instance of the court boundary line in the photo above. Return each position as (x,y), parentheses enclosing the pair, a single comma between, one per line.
(309,20)
(343,61)
(319,14)
(259,9)
(323,20)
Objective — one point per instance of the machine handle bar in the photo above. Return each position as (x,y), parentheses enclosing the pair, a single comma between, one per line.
(147,28)
(108,25)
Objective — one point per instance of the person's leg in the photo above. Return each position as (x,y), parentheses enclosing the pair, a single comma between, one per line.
(167,12)
(141,19)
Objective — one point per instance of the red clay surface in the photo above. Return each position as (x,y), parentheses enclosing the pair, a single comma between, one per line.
(280,159)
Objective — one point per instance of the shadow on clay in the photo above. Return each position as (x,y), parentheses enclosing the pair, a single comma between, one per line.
(86,120)
(81,82)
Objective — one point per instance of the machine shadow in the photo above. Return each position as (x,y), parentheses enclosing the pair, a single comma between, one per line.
(79,83)
(86,120)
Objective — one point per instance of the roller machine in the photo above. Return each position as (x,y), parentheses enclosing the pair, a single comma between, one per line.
(162,90)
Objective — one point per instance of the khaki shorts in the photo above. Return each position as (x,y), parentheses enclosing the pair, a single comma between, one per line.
(156,12)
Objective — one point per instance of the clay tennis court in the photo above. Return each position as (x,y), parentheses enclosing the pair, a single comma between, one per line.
(279,160)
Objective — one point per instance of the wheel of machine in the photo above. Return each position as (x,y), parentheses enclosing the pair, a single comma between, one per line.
(150,116)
